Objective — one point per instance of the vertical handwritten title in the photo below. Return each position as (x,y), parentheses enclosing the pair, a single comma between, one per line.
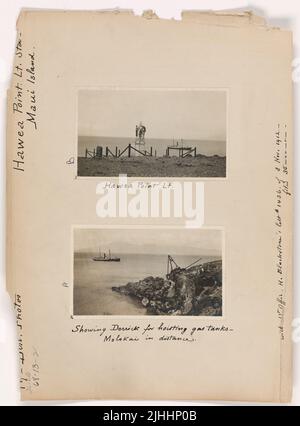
(282,194)
(24,104)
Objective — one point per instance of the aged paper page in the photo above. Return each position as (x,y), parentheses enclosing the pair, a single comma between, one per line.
(118,296)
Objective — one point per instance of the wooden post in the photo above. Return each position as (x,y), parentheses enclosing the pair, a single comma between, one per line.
(99,152)
(129,150)
(195,152)
(86,152)
(94,153)
(116,151)
(151,151)
(106,152)
(155,153)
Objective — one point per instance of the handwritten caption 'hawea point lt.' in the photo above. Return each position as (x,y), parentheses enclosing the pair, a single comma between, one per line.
(140,199)
(116,333)
(24,102)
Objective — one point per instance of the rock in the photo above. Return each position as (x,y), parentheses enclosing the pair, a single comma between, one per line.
(195,291)
(145,301)
(171,291)
(185,292)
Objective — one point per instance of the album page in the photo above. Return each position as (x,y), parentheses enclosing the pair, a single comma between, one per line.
(149,206)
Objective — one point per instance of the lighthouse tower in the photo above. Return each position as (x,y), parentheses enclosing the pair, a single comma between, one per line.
(140,131)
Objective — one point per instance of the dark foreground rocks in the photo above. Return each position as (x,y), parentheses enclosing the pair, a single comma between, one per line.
(195,291)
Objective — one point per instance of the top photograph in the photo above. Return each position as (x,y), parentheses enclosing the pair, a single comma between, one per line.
(152,133)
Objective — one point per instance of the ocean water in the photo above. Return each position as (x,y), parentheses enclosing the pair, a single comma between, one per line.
(93,281)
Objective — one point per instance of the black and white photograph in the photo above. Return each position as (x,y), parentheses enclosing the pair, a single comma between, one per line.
(152,133)
(149,271)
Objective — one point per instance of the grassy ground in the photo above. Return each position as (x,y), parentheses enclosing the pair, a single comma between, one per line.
(200,166)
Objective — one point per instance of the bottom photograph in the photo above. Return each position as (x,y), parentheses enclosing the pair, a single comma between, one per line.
(151,271)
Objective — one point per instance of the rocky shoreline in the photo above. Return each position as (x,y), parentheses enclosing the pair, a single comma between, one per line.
(193,291)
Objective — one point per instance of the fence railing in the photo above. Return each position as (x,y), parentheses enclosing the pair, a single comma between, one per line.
(99,152)
(130,150)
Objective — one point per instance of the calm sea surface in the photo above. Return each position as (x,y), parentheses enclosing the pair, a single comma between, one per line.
(93,281)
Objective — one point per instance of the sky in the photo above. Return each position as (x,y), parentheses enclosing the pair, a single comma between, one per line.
(149,241)
(186,114)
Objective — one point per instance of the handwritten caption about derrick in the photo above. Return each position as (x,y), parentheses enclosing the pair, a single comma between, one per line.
(160,332)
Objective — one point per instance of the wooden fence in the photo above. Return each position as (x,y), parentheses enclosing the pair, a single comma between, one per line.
(182,151)
(100,152)
(129,150)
